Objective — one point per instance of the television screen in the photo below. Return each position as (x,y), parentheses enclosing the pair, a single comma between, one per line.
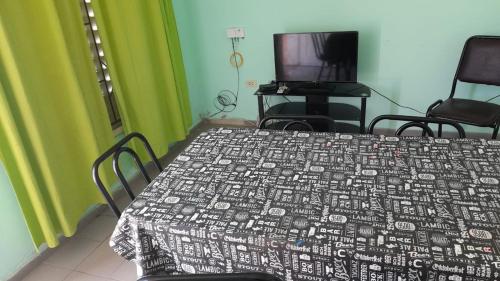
(321,56)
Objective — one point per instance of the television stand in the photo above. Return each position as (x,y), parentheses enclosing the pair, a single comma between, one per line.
(317,103)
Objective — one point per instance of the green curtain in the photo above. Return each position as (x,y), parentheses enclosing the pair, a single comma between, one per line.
(53,119)
(143,53)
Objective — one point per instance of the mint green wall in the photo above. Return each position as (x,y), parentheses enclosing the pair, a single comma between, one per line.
(16,247)
(409,50)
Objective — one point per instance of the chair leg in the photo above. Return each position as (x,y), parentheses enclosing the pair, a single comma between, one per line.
(440,130)
(495,132)
(424,132)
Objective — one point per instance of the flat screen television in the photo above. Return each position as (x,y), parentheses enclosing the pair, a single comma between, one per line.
(316,57)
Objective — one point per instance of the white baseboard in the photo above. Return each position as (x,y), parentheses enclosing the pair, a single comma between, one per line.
(232,122)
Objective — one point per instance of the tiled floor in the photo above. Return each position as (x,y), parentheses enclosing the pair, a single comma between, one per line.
(87,256)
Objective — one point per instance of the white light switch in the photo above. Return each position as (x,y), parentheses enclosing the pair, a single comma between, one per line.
(235,32)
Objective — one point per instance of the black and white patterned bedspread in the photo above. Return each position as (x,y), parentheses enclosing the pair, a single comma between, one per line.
(319,206)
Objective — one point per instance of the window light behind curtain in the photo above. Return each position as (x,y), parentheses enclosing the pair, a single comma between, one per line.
(53,121)
(144,57)
(101,65)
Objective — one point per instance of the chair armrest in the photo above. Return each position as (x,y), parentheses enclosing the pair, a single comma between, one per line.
(416,121)
(432,106)
(297,119)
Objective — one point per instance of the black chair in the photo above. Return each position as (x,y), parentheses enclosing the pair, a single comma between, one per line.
(479,64)
(297,122)
(419,122)
(250,276)
(336,52)
(116,151)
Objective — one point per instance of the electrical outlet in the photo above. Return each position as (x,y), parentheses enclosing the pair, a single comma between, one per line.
(235,32)
(251,84)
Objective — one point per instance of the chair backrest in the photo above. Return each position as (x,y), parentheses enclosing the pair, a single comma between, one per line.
(340,48)
(249,276)
(291,122)
(116,151)
(415,121)
(480,62)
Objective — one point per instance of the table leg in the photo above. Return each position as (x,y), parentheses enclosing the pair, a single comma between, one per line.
(260,101)
(362,120)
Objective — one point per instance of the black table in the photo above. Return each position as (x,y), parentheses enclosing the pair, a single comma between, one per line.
(317,103)
(319,206)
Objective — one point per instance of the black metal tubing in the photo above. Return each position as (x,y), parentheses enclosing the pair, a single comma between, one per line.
(455,79)
(115,151)
(495,131)
(118,171)
(250,276)
(297,119)
(432,106)
(413,120)
(304,123)
(406,126)
(260,101)
(362,121)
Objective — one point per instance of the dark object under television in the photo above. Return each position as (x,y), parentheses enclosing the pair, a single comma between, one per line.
(316,56)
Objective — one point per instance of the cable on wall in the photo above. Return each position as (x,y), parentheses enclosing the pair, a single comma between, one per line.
(493,98)
(236,59)
(396,103)
(226,100)
(411,108)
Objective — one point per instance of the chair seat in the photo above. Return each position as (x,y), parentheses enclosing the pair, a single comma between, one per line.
(478,113)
